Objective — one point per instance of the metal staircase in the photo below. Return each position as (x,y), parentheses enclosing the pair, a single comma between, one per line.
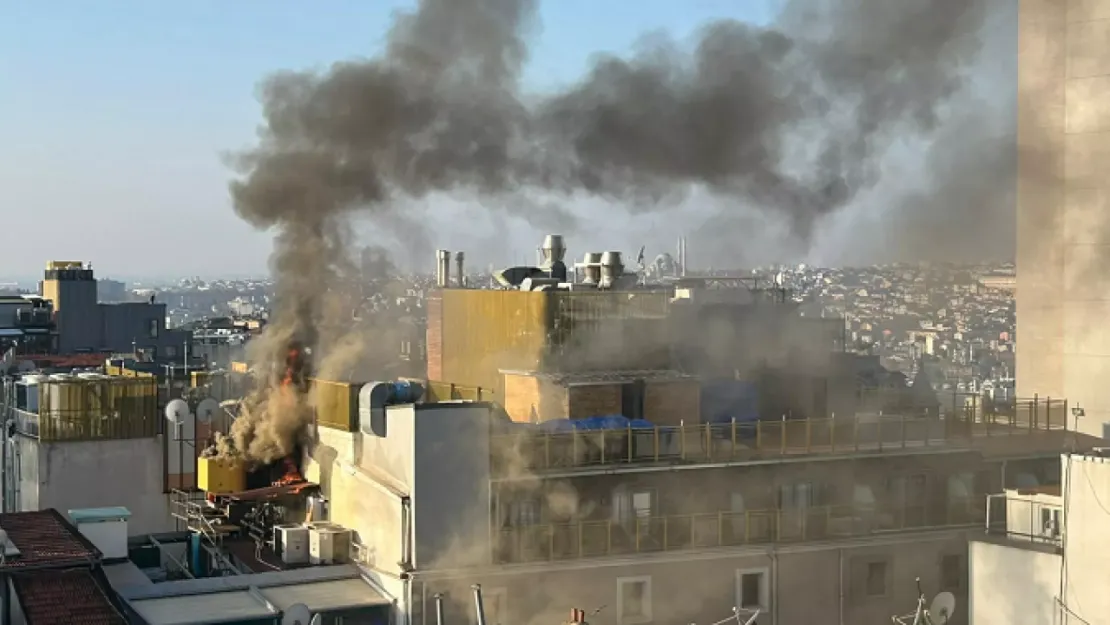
(192,513)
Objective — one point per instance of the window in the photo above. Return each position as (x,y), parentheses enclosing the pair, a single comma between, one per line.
(633,505)
(522,513)
(751,589)
(170,351)
(1050,522)
(152,326)
(876,579)
(951,572)
(493,602)
(633,600)
(794,496)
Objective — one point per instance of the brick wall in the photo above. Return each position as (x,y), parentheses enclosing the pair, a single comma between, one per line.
(434,338)
(593,400)
(672,401)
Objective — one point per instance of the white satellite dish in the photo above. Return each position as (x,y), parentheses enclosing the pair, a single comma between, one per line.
(206,409)
(942,608)
(177,410)
(296,614)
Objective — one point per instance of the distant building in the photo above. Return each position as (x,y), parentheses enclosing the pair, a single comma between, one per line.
(110,291)
(84,324)
(27,324)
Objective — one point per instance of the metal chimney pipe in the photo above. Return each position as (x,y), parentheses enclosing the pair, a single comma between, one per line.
(459,266)
(439,608)
(553,249)
(443,268)
(479,607)
(682,260)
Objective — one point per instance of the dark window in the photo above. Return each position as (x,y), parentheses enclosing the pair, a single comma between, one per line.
(153,328)
(751,590)
(632,399)
(876,579)
(951,572)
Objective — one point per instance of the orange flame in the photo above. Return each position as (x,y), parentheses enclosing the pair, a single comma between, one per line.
(292,475)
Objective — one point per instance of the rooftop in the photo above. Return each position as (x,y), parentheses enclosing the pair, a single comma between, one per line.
(44,540)
(261,596)
(70,597)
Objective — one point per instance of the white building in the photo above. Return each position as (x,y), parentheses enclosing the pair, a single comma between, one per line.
(1043,556)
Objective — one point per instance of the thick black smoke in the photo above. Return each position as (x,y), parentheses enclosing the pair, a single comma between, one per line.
(792,119)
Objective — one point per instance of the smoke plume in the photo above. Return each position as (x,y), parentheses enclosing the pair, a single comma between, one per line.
(792,119)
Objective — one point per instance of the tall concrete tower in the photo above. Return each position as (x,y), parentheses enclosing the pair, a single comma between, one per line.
(1063,252)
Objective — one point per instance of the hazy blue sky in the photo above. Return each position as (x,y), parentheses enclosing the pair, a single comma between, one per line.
(113,113)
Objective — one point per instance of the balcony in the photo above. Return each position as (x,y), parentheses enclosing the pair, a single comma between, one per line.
(71,411)
(34,317)
(589,539)
(1027,516)
(537,451)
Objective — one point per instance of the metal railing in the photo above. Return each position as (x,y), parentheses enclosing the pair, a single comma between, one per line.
(586,539)
(1033,518)
(83,425)
(747,441)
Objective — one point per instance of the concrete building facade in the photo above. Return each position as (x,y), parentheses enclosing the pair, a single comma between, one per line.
(795,524)
(1064,204)
(85,443)
(1042,559)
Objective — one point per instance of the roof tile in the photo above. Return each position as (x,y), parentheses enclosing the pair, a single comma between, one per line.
(45,539)
(71,597)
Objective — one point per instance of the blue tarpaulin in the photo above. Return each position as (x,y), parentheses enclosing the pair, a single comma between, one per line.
(725,400)
(605,422)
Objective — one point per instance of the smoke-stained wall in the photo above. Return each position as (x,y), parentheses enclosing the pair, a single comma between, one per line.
(1063,292)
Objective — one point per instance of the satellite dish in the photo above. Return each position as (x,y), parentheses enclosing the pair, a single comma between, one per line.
(942,608)
(206,409)
(177,410)
(297,614)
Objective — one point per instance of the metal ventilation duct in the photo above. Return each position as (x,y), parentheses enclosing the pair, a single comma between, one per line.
(611,268)
(553,249)
(443,268)
(591,265)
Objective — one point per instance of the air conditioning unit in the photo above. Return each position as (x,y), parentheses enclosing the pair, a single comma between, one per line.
(328,544)
(292,543)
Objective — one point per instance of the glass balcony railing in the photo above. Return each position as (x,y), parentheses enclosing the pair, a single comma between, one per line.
(586,539)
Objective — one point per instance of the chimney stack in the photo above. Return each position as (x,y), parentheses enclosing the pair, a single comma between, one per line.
(443,268)
(459,269)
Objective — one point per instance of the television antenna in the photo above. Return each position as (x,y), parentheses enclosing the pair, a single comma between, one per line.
(740,617)
(940,610)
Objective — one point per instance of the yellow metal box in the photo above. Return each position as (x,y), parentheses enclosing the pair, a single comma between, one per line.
(219,475)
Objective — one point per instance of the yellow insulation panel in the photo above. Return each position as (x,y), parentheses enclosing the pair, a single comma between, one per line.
(486,331)
(336,404)
(217,475)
